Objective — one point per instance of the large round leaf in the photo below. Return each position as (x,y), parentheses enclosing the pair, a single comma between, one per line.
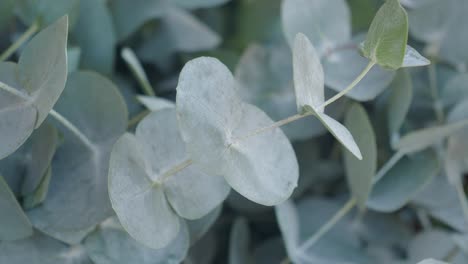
(215,124)
(77,198)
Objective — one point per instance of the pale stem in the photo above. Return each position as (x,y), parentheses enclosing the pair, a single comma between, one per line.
(14,91)
(137,70)
(462,197)
(72,128)
(438,109)
(328,225)
(347,206)
(299,116)
(137,118)
(350,86)
(20,41)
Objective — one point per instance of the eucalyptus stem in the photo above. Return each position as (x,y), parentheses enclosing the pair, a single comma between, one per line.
(137,118)
(462,197)
(299,116)
(13,91)
(350,86)
(348,205)
(328,225)
(137,70)
(72,128)
(438,109)
(20,41)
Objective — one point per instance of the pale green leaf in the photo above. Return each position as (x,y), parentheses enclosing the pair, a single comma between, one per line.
(111,244)
(154,103)
(399,102)
(79,170)
(402,182)
(13,224)
(35,198)
(308,76)
(42,67)
(419,140)
(360,173)
(211,116)
(312,18)
(387,37)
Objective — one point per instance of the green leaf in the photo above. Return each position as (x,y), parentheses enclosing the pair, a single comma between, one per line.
(44,143)
(29,90)
(309,87)
(79,170)
(402,182)
(125,23)
(387,37)
(399,102)
(42,67)
(94,33)
(111,244)
(338,74)
(6,12)
(313,20)
(215,124)
(239,241)
(14,223)
(419,140)
(360,173)
(39,194)
(48,11)
(40,249)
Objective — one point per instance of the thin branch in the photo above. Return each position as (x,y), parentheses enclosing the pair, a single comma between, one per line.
(20,41)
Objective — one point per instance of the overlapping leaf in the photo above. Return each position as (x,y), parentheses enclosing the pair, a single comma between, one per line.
(212,117)
(309,87)
(31,87)
(77,198)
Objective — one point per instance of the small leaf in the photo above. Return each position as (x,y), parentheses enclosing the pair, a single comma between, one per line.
(286,215)
(387,37)
(360,173)
(308,76)
(418,140)
(414,59)
(312,19)
(212,117)
(399,103)
(111,244)
(42,67)
(39,195)
(402,182)
(13,224)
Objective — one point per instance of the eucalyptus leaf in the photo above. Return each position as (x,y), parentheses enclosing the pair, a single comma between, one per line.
(402,182)
(211,116)
(309,87)
(13,224)
(387,37)
(73,58)
(239,243)
(6,12)
(199,227)
(311,17)
(110,244)
(38,196)
(401,95)
(30,88)
(143,174)
(360,173)
(418,140)
(47,11)
(432,261)
(79,185)
(199,3)
(94,32)
(338,73)
(414,59)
